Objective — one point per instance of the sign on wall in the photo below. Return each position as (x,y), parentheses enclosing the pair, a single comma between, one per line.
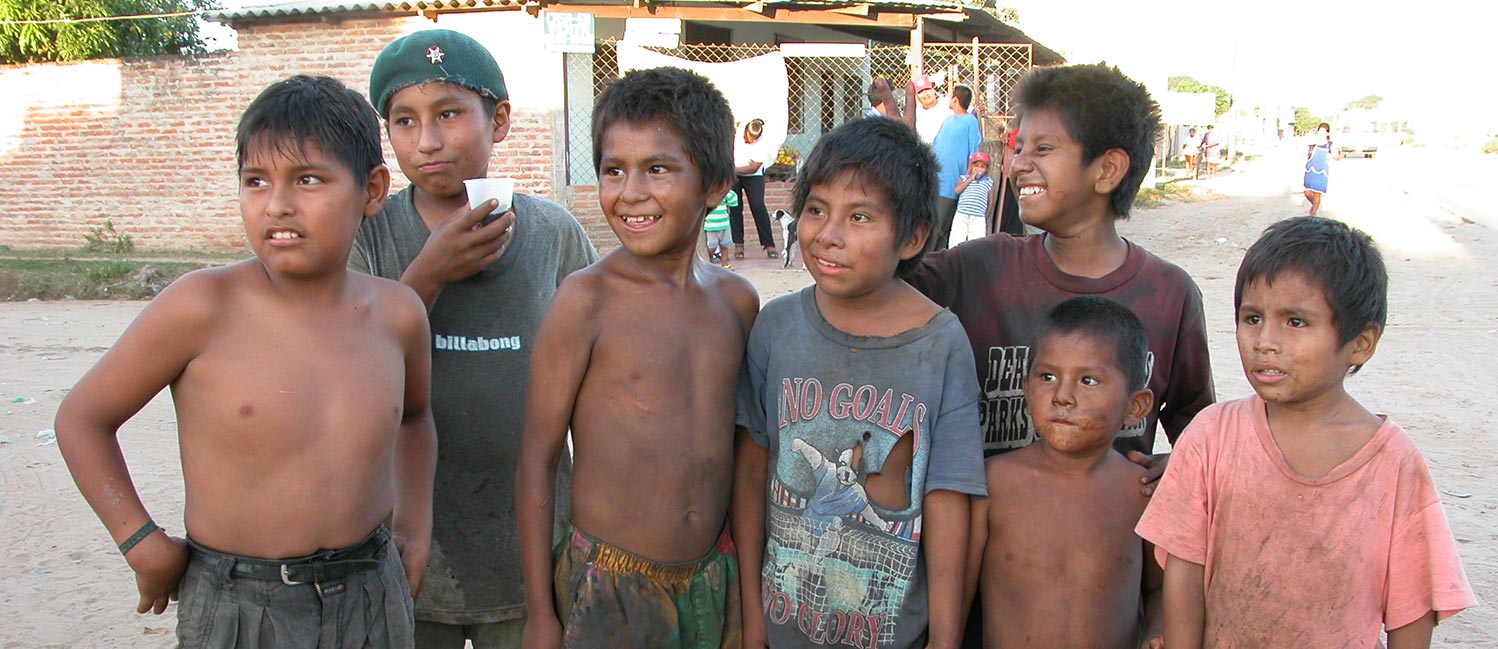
(568,33)
(653,32)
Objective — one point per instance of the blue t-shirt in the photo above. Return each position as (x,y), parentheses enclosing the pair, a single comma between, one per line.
(830,408)
(957,140)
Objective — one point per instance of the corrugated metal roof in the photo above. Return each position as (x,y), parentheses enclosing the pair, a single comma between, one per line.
(285,8)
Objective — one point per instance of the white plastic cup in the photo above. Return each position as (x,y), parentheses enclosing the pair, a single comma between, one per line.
(483,189)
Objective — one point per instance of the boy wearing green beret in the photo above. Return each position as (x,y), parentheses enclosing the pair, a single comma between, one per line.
(486,286)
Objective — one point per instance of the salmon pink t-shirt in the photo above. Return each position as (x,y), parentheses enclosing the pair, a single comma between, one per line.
(1296,561)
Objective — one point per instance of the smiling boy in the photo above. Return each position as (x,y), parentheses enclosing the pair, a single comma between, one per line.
(1296,517)
(486,286)
(858,442)
(301,399)
(1086,136)
(638,356)
(1058,562)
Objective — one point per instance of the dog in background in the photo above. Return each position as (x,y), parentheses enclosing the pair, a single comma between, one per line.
(788,235)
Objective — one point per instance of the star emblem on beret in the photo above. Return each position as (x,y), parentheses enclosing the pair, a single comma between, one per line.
(435,54)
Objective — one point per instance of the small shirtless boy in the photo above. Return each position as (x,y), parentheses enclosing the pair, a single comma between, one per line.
(639,355)
(301,398)
(1056,557)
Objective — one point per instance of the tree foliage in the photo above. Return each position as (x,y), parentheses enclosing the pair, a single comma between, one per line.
(1183,83)
(31,42)
(1009,15)
(1368,102)
(1305,122)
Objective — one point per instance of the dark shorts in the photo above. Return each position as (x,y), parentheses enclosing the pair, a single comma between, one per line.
(354,597)
(607,597)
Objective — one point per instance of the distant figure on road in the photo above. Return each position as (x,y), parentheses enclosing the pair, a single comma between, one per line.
(1212,149)
(1319,157)
(1190,151)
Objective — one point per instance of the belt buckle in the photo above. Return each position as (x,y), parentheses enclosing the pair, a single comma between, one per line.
(286,579)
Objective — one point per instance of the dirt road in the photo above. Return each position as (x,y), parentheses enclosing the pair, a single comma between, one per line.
(63,584)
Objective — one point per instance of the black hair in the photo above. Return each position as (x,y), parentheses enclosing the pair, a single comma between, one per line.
(1104,320)
(685,102)
(1102,109)
(886,155)
(1324,125)
(1341,260)
(291,112)
(964,96)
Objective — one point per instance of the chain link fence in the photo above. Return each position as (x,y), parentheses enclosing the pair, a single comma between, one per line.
(824,91)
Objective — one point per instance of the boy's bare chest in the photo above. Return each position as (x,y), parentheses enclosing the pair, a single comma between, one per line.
(271,376)
(666,361)
(1081,529)
(657,336)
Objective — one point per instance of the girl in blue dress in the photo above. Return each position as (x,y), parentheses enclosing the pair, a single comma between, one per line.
(1319,165)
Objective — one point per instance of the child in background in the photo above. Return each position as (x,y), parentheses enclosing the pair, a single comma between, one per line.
(975,192)
(719,237)
(638,358)
(858,443)
(486,286)
(301,397)
(1057,561)
(1295,517)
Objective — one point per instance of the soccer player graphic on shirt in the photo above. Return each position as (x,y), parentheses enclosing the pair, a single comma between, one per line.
(838,495)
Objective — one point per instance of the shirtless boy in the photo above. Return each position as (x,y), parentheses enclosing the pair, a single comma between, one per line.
(1056,556)
(639,355)
(301,398)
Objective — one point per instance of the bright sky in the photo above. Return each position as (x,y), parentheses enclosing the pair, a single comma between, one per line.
(1431,60)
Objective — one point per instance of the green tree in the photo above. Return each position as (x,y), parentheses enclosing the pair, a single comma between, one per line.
(1183,83)
(1305,122)
(1368,102)
(24,39)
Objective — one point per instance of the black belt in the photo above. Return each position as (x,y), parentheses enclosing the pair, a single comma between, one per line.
(318,568)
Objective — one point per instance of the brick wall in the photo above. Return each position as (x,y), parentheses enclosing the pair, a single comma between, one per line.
(148,142)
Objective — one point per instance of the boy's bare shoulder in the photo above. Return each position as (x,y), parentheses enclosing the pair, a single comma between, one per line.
(1005,465)
(739,291)
(204,292)
(1125,475)
(591,281)
(395,301)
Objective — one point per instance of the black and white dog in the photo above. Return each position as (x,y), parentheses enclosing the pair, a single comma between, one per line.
(788,235)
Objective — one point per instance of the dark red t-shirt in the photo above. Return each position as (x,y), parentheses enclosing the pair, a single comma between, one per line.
(1001,286)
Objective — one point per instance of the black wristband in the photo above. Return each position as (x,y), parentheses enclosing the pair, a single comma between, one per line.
(138,536)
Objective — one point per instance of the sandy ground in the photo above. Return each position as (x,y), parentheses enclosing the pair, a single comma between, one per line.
(64,585)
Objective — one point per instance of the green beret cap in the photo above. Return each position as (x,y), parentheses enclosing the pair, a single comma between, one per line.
(434,55)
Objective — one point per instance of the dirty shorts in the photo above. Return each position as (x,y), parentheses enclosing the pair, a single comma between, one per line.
(354,597)
(607,597)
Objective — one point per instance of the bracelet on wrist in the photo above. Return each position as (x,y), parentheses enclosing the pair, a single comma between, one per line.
(138,536)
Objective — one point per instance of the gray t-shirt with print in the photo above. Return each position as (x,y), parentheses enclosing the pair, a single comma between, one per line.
(482,331)
(831,408)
